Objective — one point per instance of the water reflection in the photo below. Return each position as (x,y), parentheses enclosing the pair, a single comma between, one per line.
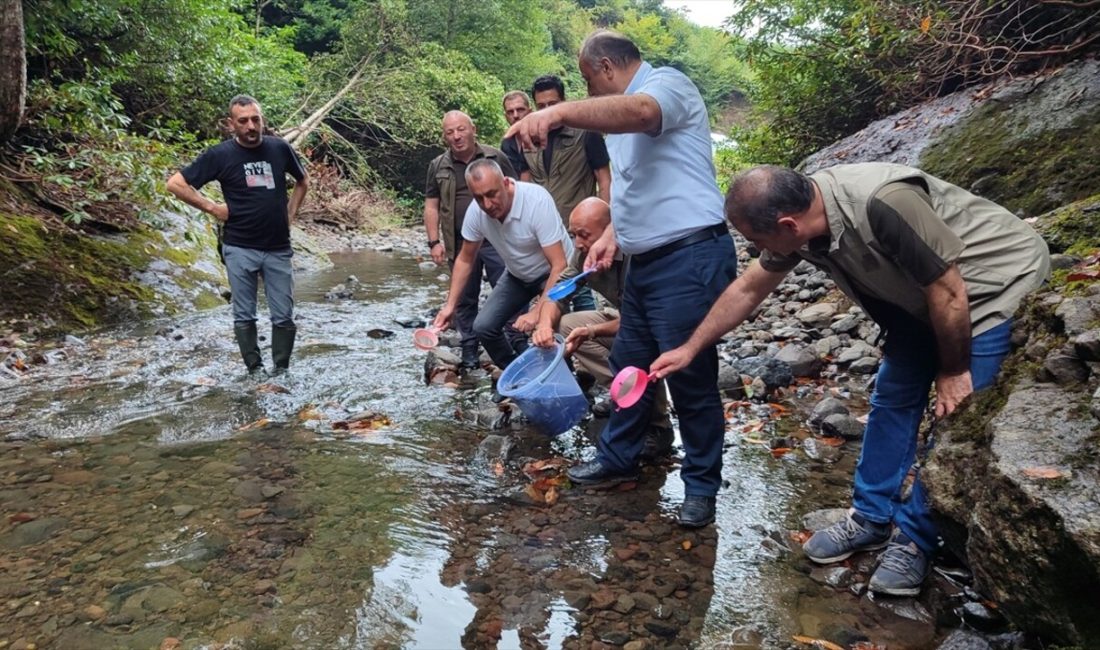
(170,495)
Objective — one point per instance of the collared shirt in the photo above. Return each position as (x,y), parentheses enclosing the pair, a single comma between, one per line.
(663,186)
(530,225)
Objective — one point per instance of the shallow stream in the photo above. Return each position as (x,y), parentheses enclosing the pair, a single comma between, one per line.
(151,492)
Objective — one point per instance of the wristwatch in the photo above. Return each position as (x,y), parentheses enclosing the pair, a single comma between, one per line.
(432,243)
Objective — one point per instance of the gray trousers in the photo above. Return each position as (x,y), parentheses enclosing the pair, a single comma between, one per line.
(245,266)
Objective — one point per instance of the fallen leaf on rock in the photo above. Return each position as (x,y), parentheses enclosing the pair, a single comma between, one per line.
(800,536)
(686,544)
(258,424)
(755,425)
(817,643)
(204,381)
(271,388)
(1044,472)
(1085,275)
(365,421)
(22,517)
(831,441)
(309,412)
(779,452)
(778,409)
(538,466)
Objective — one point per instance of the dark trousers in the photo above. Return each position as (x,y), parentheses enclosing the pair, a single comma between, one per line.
(664,301)
(487,264)
(509,298)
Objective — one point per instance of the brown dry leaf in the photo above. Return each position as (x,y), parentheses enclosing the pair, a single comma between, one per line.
(831,441)
(309,412)
(817,643)
(686,544)
(258,424)
(551,496)
(800,536)
(779,452)
(271,388)
(925,24)
(1044,472)
(751,427)
(537,466)
(204,381)
(363,422)
(778,409)
(534,494)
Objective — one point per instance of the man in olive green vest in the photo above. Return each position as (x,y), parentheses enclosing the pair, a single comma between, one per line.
(446,199)
(942,272)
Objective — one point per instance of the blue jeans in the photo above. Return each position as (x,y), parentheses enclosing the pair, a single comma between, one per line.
(244,267)
(663,302)
(898,403)
(509,297)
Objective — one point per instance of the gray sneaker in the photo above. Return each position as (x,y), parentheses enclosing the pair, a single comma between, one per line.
(839,541)
(902,569)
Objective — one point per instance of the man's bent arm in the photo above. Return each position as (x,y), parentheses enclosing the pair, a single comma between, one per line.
(731,309)
(949,311)
(296,198)
(183,191)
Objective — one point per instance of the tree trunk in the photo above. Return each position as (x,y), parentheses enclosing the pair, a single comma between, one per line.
(297,135)
(13,67)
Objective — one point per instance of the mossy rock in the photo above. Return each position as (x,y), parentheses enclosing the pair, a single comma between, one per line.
(1073,228)
(61,280)
(1030,148)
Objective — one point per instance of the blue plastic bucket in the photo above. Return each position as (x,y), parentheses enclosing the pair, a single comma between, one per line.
(541,384)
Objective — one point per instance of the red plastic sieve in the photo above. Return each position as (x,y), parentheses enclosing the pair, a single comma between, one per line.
(426,338)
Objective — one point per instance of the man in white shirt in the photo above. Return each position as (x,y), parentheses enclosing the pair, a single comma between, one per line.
(521,222)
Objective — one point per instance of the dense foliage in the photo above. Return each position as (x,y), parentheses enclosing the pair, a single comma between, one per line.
(113,80)
(825,68)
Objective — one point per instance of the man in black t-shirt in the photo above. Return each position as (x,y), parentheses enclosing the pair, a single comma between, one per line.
(251,170)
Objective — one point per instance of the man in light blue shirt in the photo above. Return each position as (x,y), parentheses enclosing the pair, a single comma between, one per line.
(666,212)
(521,222)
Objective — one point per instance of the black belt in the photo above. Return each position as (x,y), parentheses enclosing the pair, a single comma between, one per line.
(713,232)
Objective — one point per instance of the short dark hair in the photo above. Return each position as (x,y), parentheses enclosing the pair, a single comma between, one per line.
(242,100)
(549,82)
(759,196)
(613,46)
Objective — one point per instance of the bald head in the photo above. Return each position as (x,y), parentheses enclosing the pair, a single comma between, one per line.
(460,134)
(758,197)
(588,221)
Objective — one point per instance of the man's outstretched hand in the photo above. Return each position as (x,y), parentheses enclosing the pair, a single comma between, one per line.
(533,131)
(670,362)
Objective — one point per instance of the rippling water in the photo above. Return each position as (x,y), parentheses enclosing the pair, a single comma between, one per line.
(150,490)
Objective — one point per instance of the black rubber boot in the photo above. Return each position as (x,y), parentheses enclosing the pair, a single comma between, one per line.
(250,350)
(282,344)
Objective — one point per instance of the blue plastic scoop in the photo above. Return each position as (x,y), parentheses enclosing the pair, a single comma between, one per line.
(566,287)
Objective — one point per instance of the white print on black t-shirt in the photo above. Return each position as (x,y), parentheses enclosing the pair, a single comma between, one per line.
(258,174)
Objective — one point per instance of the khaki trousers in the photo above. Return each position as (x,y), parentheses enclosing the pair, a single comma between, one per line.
(592,357)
